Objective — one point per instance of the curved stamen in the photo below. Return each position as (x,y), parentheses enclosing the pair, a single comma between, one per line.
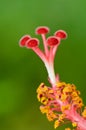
(50,47)
(53,42)
(33,44)
(43,30)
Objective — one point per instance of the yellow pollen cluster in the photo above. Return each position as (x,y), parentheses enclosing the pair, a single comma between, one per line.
(56,124)
(56,101)
(74,124)
(42,94)
(69,94)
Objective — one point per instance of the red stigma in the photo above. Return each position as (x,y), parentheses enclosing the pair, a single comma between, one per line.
(33,42)
(42,30)
(23,40)
(52,41)
(61,34)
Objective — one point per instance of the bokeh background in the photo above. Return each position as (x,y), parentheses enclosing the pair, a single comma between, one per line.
(21,71)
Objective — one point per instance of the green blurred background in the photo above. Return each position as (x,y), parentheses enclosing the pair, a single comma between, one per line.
(21,71)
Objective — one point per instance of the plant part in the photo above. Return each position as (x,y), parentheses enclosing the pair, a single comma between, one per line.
(61,102)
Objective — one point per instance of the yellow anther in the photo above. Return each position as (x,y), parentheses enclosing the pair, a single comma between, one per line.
(74,94)
(39,88)
(67,129)
(84,113)
(51,116)
(63,97)
(66,107)
(44,89)
(73,87)
(44,100)
(78,101)
(51,91)
(74,124)
(67,89)
(38,97)
(61,84)
(77,98)
(57,96)
(56,124)
(44,109)
(78,92)
(61,117)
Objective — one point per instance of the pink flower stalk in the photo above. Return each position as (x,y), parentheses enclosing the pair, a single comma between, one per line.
(61,102)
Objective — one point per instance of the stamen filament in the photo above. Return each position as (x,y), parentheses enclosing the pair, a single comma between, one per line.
(55,48)
(40,54)
(51,56)
(45,44)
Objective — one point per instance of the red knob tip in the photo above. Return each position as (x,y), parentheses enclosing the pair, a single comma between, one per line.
(52,41)
(61,34)
(42,30)
(33,42)
(23,40)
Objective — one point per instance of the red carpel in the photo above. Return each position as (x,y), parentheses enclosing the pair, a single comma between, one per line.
(33,42)
(23,40)
(52,41)
(42,30)
(61,34)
